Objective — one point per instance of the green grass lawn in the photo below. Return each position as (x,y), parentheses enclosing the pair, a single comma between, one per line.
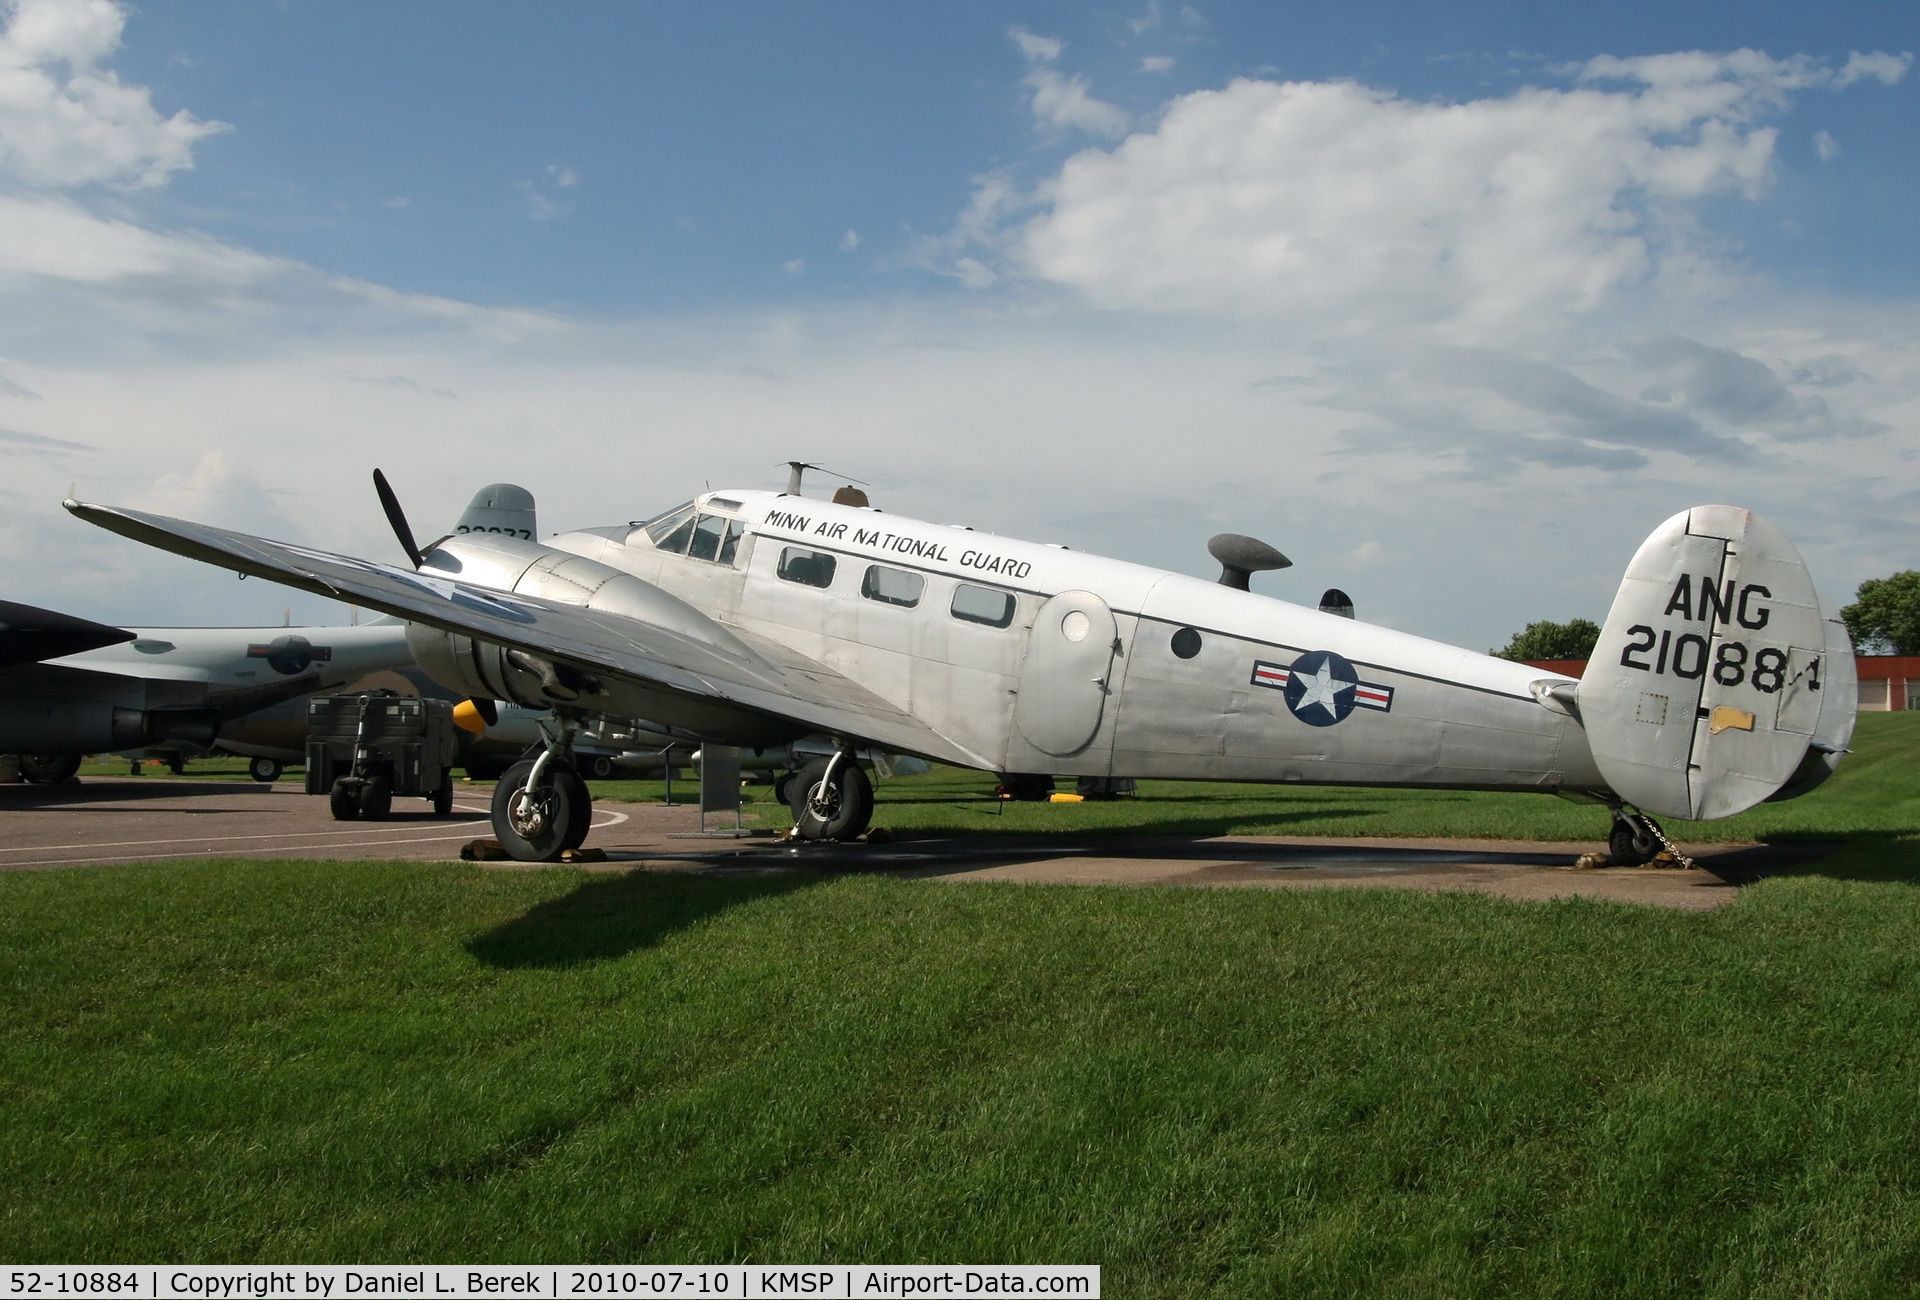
(1209,1092)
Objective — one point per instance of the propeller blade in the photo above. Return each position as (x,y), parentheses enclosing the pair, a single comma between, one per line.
(397,517)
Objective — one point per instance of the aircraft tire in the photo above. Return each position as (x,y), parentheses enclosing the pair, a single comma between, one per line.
(562,821)
(1632,844)
(376,798)
(782,784)
(583,800)
(853,806)
(48,769)
(265,770)
(601,768)
(344,800)
(443,798)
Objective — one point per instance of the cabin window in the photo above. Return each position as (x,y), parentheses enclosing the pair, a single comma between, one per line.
(892,586)
(811,568)
(707,536)
(671,531)
(983,605)
(1186,643)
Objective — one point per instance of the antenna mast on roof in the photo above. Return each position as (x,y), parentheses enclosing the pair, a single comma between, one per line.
(795,468)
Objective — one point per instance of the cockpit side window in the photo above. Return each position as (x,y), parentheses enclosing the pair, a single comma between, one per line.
(707,535)
(811,568)
(671,531)
(731,545)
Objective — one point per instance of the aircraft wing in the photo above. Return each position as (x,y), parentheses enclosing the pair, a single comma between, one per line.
(729,666)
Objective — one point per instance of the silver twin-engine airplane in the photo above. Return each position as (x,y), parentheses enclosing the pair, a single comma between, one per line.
(752,618)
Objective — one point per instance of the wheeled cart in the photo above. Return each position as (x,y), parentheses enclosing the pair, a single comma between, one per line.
(362,750)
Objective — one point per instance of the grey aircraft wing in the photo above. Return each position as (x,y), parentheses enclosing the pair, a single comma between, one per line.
(710,663)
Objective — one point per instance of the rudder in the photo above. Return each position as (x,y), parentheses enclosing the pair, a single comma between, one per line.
(1707,685)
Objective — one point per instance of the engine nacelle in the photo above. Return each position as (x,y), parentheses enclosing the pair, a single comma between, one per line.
(483,670)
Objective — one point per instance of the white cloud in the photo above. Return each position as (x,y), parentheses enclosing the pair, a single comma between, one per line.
(1156,63)
(798,266)
(64,121)
(1148,21)
(849,241)
(1060,101)
(539,206)
(565,177)
(1882,67)
(1342,205)
(1036,49)
(1826,146)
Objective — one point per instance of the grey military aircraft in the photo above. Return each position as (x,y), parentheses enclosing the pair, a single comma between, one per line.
(751,618)
(70,687)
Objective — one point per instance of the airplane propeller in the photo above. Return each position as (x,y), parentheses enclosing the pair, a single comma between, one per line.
(397,517)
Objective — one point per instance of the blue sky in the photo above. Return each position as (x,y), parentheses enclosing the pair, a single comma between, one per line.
(1452,303)
(714,144)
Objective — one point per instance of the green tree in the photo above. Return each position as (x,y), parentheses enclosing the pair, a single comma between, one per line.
(1572,640)
(1885,615)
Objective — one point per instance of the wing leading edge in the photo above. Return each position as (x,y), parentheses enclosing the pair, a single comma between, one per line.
(770,680)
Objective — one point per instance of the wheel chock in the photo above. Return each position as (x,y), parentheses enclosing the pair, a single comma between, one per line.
(584,855)
(483,851)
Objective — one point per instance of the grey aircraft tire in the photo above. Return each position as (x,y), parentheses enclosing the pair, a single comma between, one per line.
(1631,844)
(265,770)
(443,798)
(782,784)
(852,803)
(344,800)
(48,769)
(376,798)
(602,768)
(556,823)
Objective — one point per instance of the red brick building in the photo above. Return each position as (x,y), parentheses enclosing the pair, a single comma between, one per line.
(1887,682)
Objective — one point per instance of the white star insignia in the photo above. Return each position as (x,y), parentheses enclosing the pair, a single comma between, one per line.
(1321,689)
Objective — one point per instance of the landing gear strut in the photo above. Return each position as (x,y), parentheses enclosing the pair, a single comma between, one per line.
(831,799)
(541,807)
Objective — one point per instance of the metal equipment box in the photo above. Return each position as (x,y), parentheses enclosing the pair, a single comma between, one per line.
(364,749)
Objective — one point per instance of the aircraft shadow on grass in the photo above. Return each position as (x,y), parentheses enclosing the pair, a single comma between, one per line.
(610,916)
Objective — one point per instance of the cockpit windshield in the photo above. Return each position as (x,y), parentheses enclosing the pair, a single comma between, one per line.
(670,531)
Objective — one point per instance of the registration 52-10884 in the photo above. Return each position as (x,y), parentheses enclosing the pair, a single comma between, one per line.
(92,1281)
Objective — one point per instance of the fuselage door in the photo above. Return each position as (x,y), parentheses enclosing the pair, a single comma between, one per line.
(1063,684)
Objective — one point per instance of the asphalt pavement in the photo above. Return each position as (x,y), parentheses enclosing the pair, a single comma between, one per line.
(101,820)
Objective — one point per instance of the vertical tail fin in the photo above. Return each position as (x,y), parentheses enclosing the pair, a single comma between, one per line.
(1715,670)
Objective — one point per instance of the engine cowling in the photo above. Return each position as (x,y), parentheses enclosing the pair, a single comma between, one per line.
(484,670)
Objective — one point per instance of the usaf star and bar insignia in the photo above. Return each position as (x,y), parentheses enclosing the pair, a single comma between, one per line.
(1321,688)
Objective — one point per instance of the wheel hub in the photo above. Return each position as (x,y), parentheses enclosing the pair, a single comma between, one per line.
(528,814)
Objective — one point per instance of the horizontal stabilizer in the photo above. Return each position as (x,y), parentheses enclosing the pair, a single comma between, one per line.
(1715,669)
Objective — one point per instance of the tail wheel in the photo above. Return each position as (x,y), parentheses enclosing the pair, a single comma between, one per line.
(848,806)
(541,825)
(265,770)
(600,767)
(1632,842)
(344,800)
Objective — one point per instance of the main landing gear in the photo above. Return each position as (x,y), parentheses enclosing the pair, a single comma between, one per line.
(831,799)
(541,807)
